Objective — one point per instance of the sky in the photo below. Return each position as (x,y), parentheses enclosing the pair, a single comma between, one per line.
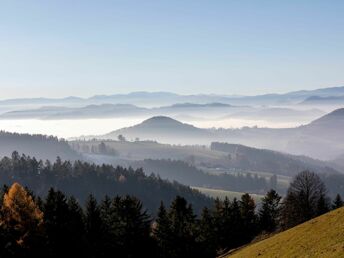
(60,48)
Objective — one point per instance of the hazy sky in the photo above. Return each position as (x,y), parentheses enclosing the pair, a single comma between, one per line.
(59,48)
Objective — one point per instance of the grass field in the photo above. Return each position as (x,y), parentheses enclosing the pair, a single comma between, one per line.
(221,194)
(320,237)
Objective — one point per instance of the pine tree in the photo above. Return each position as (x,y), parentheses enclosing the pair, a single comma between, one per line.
(323,206)
(130,227)
(248,218)
(182,228)
(207,241)
(337,202)
(56,212)
(94,229)
(75,230)
(106,220)
(270,211)
(162,232)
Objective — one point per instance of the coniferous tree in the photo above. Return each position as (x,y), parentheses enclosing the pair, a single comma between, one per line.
(56,212)
(269,212)
(75,230)
(130,226)
(323,205)
(94,229)
(337,202)
(163,232)
(223,223)
(106,220)
(183,228)
(248,218)
(207,241)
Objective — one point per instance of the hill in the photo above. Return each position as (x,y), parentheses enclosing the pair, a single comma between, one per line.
(319,237)
(248,158)
(317,100)
(321,139)
(39,146)
(80,179)
(163,129)
(332,119)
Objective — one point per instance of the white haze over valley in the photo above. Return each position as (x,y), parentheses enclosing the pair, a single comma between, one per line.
(74,128)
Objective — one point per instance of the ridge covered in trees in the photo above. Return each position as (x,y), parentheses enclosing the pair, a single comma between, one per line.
(81,178)
(189,175)
(58,225)
(37,145)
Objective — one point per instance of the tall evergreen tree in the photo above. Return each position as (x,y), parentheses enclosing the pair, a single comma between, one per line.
(95,229)
(130,226)
(75,230)
(269,212)
(337,202)
(163,232)
(207,241)
(183,227)
(248,218)
(56,212)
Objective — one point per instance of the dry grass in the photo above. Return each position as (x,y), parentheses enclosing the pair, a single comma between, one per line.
(320,237)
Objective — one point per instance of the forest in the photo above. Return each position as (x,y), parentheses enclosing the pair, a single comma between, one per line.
(59,225)
(80,179)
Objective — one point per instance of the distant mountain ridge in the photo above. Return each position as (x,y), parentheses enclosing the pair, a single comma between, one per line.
(318,100)
(165,98)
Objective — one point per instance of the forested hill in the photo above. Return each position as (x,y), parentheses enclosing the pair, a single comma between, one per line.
(81,179)
(248,158)
(39,146)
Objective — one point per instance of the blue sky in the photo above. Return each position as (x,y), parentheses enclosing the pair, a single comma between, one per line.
(61,48)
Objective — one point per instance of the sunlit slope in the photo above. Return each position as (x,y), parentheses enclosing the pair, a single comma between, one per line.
(320,237)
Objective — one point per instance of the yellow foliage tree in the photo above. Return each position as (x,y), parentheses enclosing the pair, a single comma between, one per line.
(21,214)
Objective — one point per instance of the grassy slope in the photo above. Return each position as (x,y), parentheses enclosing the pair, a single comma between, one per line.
(320,237)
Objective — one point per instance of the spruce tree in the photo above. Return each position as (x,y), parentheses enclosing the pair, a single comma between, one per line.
(248,218)
(207,241)
(94,228)
(56,212)
(337,202)
(75,230)
(183,235)
(162,232)
(270,211)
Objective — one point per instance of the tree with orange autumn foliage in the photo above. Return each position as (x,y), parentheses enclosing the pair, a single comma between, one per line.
(21,219)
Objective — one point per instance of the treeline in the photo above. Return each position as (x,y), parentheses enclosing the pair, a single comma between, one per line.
(39,146)
(81,178)
(248,158)
(100,148)
(58,226)
(189,175)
